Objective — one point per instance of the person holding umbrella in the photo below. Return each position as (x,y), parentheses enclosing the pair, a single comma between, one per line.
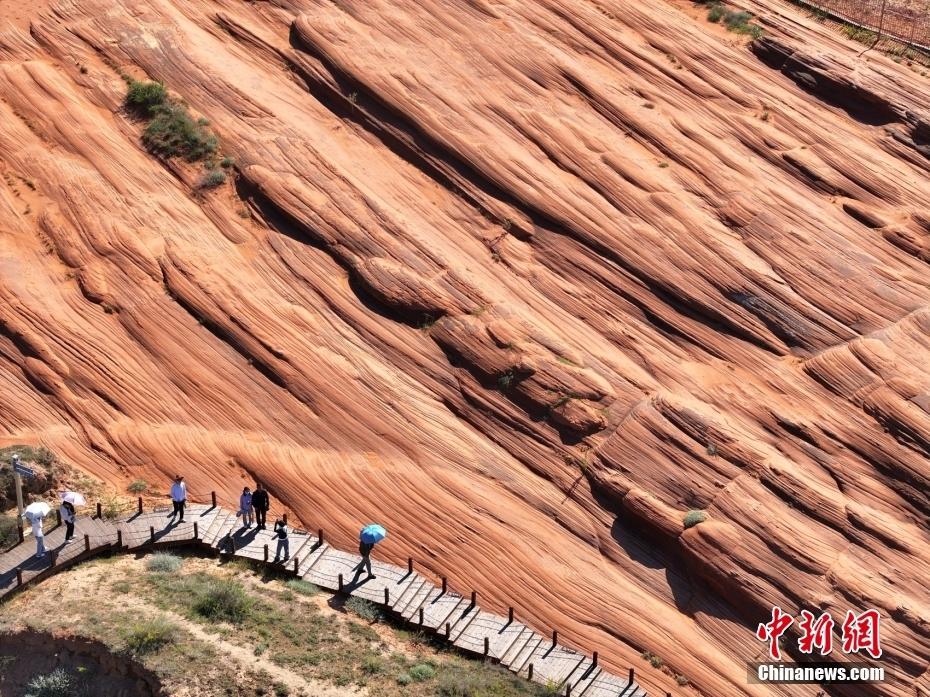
(370,535)
(70,499)
(178,497)
(35,513)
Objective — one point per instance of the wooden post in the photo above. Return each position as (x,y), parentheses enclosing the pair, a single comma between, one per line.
(86,543)
(266,554)
(213,498)
(631,676)
(119,537)
(445,584)
(196,531)
(58,516)
(529,672)
(54,558)
(340,583)
(594,660)
(140,505)
(232,543)
(448,630)
(152,534)
(568,690)
(18,481)
(420,618)
(99,511)
(19,576)
(555,637)
(510,615)
(487,647)
(297,565)
(320,536)
(474,599)
(20,531)
(409,565)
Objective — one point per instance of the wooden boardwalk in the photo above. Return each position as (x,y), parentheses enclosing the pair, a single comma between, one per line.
(402,592)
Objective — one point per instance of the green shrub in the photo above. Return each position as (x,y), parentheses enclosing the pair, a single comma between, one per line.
(694,517)
(173,132)
(58,683)
(222,600)
(227,162)
(298,585)
(9,533)
(212,179)
(736,19)
(161,562)
(716,13)
(422,672)
(365,609)
(147,636)
(145,97)
(372,665)
(281,690)
(139,486)
(484,681)
(404,679)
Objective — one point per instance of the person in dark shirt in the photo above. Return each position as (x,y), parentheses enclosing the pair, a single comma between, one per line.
(280,531)
(261,503)
(364,548)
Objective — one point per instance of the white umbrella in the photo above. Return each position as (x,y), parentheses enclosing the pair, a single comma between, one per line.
(37,509)
(72,497)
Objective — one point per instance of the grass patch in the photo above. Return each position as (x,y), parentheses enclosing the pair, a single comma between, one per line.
(139,486)
(485,681)
(298,585)
(212,179)
(365,609)
(148,636)
(737,21)
(143,97)
(654,661)
(694,517)
(173,132)
(860,34)
(161,562)
(223,600)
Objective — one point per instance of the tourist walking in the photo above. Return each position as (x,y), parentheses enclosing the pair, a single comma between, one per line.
(245,507)
(369,536)
(35,513)
(178,498)
(67,517)
(261,503)
(280,530)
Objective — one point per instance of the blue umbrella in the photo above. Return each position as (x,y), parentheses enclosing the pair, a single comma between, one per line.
(372,533)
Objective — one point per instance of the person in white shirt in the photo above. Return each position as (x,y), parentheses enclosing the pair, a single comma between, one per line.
(178,498)
(67,517)
(38,534)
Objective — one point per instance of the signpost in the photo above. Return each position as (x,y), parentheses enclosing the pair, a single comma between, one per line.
(20,471)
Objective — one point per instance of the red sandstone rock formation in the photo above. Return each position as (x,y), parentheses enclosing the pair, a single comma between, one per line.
(523,280)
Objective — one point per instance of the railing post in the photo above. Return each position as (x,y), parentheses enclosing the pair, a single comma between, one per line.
(152,534)
(555,637)
(632,676)
(594,660)
(119,537)
(213,498)
(99,511)
(232,544)
(448,630)
(420,617)
(409,565)
(387,596)
(320,536)
(510,615)
(20,531)
(474,599)
(568,690)
(487,647)
(19,576)
(86,543)
(58,517)
(296,565)
(266,554)
(340,583)
(529,672)
(140,505)
(54,554)
(445,584)
(196,531)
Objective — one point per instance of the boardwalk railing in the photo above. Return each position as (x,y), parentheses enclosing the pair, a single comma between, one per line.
(907,21)
(401,591)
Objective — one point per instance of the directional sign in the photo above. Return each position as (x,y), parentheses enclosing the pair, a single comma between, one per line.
(23,470)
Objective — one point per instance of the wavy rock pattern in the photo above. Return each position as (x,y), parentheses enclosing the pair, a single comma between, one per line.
(526,281)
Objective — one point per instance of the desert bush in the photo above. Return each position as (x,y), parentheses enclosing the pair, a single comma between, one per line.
(227,162)
(58,683)
(716,13)
(694,517)
(173,132)
(212,179)
(223,600)
(147,636)
(365,609)
(161,562)
(482,680)
(139,486)
(422,672)
(372,665)
(144,97)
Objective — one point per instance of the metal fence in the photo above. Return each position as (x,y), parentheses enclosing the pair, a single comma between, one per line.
(907,21)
